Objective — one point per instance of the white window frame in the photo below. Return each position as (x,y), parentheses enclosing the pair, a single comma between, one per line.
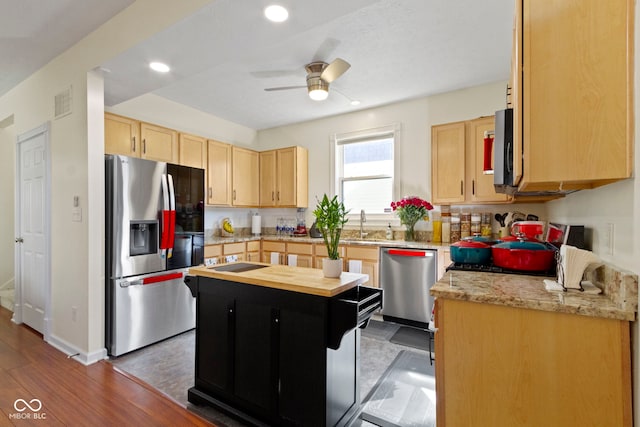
(394,130)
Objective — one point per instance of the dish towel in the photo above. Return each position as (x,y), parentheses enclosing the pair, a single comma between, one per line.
(355,266)
(292,260)
(275,257)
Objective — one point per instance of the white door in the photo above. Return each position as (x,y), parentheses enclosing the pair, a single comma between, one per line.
(32,280)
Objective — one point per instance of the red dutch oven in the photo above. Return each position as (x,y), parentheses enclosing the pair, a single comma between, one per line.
(523,255)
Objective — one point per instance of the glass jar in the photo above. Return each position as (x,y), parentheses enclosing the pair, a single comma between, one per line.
(455,228)
(436,223)
(485,225)
(475,224)
(446,229)
(465,224)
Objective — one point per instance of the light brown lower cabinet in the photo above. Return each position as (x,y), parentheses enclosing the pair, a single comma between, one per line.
(253,251)
(505,366)
(269,247)
(303,253)
(370,259)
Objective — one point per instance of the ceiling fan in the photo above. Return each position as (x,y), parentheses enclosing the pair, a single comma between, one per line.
(319,76)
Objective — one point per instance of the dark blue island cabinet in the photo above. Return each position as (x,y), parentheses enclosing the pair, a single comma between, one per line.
(276,355)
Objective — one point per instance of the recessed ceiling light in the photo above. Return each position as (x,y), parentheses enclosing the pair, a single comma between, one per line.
(159,67)
(276,13)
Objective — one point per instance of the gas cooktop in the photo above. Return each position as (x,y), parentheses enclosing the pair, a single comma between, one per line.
(490,268)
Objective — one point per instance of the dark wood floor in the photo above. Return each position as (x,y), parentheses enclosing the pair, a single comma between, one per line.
(73,394)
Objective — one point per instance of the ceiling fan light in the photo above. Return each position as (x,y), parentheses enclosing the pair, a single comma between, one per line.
(276,13)
(318,94)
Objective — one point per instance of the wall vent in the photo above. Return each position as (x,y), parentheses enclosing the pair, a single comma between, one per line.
(63,103)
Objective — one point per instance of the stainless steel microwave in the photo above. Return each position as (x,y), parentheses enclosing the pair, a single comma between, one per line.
(503,152)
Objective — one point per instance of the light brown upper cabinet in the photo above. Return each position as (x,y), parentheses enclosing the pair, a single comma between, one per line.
(159,143)
(573,99)
(121,135)
(218,173)
(246,177)
(284,177)
(479,186)
(457,176)
(193,151)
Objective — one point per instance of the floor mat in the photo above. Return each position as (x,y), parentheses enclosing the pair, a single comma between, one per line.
(411,337)
(405,395)
(380,330)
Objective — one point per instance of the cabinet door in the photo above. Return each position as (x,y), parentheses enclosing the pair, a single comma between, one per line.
(577,106)
(121,135)
(158,143)
(291,180)
(246,177)
(193,151)
(268,178)
(448,163)
(480,185)
(218,173)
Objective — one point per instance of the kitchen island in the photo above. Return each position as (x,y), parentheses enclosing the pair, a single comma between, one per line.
(509,352)
(279,345)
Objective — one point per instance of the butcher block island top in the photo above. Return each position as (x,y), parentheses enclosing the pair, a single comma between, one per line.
(296,279)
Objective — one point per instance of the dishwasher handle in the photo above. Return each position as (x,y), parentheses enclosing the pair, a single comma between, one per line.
(404,252)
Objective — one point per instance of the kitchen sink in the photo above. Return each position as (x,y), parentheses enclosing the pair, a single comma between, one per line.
(239,267)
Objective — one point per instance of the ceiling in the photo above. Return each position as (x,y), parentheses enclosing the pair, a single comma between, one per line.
(225,55)
(33,32)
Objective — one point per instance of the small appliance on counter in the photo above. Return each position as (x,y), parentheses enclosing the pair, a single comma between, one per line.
(301,227)
(314,232)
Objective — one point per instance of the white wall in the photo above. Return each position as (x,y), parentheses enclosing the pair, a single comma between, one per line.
(75,280)
(7,185)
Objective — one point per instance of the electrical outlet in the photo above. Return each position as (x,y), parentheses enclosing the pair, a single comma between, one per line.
(607,238)
(74,313)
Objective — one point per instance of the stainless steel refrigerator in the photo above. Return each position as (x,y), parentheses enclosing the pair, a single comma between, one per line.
(154,232)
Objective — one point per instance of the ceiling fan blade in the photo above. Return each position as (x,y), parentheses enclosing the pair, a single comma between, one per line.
(271,89)
(334,70)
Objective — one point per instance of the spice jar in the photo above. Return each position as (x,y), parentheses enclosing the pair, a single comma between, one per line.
(455,228)
(465,224)
(485,225)
(476,224)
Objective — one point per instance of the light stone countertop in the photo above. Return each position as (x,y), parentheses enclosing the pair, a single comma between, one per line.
(618,301)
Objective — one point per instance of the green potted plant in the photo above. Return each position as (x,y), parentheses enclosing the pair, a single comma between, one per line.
(330,218)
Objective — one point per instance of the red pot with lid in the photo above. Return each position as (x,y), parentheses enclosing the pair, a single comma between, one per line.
(523,255)
(530,229)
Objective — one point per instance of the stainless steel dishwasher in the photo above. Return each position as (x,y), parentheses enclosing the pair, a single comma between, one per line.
(406,275)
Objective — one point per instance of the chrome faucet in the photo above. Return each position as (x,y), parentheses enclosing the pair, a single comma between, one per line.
(363,219)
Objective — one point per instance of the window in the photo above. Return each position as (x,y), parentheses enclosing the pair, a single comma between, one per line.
(365,164)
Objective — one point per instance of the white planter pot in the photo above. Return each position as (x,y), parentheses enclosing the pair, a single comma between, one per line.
(332,268)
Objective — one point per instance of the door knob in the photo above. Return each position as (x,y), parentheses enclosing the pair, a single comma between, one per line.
(19,240)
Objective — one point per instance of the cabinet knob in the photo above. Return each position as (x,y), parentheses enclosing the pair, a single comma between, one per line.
(462,188)
(210,192)
(473,187)
(144,146)
(273,196)
(234,194)
(133,145)
(278,196)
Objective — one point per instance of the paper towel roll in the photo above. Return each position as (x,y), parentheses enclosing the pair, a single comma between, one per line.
(256,227)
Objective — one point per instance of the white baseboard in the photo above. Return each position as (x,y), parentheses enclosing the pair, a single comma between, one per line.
(76,354)
(6,303)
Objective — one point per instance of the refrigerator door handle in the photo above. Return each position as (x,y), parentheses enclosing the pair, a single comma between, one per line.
(165,237)
(172,215)
(162,278)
